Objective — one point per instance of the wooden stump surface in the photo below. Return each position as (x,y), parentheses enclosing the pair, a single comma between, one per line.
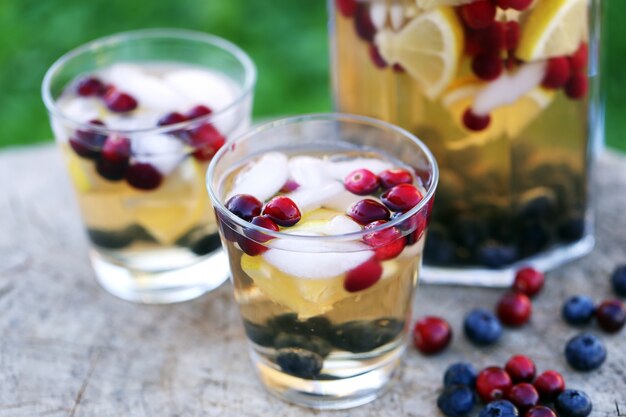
(69,349)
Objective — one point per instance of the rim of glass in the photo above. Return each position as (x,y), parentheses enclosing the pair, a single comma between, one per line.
(180,34)
(340,117)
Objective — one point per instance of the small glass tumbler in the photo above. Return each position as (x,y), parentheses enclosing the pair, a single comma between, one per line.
(315,339)
(137,117)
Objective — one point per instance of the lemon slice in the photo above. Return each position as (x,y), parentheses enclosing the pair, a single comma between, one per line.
(175,207)
(431,4)
(428,47)
(78,172)
(554,28)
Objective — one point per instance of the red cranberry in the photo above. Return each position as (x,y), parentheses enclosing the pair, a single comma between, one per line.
(514,309)
(521,368)
(363,24)
(475,122)
(375,56)
(347,7)
(512,33)
(88,144)
(289,186)
(113,161)
(431,335)
(116,149)
(578,61)
(392,177)
(611,315)
(577,86)
(549,385)
(244,206)
(402,197)
(90,86)
(528,281)
(363,276)
(361,182)
(540,411)
(119,102)
(519,4)
(479,14)
(398,69)
(111,170)
(487,66)
(206,140)
(416,224)
(143,176)
(473,42)
(198,111)
(367,211)
(248,243)
(171,119)
(523,396)
(388,243)
(283,211)
(557,73)
(493,383)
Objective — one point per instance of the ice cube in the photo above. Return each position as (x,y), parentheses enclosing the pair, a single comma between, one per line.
(311,198)
(263,178)
(509,88)
(378,14)
(164,152)
(396,15)
(203,87)
(314,260)
(341,169)
(82,109)
(341,225)
(150,91)
(343,200)
(308,171)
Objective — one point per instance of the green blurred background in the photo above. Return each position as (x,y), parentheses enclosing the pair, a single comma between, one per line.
(286,38)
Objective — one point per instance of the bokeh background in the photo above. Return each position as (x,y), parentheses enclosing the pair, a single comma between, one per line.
(286,38)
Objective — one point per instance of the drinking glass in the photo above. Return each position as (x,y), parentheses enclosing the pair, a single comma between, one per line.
(315,340)
(139,176)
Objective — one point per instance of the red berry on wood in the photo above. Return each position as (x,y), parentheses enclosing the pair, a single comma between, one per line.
(549,385)
(611,315)
(514,309)
(431,335)
(528,281)
(493,383)
(523,396)
(521,368)
(540,411)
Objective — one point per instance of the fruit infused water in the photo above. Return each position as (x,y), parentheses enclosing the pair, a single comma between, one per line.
(137,137)
(499,90)
(325,242)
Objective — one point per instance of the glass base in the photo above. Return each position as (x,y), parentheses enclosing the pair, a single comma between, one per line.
(161,287)
(504,277)
(336,393)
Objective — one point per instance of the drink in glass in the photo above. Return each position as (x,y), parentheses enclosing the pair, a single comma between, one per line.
(138,117)
(323,220)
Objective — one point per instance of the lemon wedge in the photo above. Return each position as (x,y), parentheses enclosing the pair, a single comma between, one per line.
(171,210)
(554,28)
(78,172)
(429,48)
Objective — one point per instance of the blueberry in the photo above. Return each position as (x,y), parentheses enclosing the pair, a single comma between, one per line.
(618,280)
(496,255)
(482,327)
(363,336)
(289,323)
(118,239)
(578,310)
(572,228)
(311,343)
(499,408)
(585,352)
(573,403)
(259,334)
(299,362)
(460,373)
(456,401)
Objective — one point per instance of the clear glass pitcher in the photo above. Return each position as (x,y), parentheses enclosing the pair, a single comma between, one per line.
(505,93)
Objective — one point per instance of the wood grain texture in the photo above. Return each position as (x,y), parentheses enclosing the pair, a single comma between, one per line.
(69,349)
